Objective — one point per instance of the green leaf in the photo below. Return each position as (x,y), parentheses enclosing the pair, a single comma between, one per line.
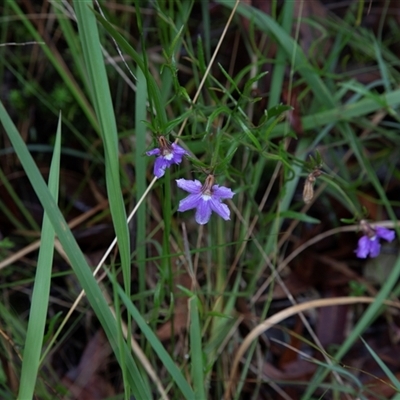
(196,353)
(299,216)
(41,288)
(389,374)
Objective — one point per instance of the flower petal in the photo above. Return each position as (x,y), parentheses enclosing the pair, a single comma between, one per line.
(178,152)
(153,152)
(203,212)
(220,208)
(222,192)
(193,187)
(386,234)
(159,167)
(374,247)
(363,247)
(189,202)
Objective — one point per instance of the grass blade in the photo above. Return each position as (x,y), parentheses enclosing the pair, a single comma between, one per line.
(196,353)
(41,289)
(384,367)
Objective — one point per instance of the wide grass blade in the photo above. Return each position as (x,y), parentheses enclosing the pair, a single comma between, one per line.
(101,98)
(41,289)
(347,112)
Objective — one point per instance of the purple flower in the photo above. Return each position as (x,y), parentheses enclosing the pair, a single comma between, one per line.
(369,243)
(168,154)
(205,199)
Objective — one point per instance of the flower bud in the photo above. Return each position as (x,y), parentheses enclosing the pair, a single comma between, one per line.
(308,190)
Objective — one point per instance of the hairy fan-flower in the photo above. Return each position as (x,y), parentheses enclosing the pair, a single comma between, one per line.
(205,199)
(167,154)
(369,244)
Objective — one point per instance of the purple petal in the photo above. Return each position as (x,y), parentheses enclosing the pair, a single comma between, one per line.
(153,152)
(222,192)
(159,167)
(384,233)
(203,212)
(189,202)
(363,247)
(374,247)
(220,208)
(193,187)
(178,152)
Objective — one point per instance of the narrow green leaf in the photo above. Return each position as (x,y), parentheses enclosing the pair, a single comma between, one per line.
(384,367)
(196,353)
(140,163)
(41,288)
(299,216)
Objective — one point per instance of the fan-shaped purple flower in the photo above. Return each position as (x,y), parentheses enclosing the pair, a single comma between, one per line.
(369,243)
(167,154)
(205,199)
